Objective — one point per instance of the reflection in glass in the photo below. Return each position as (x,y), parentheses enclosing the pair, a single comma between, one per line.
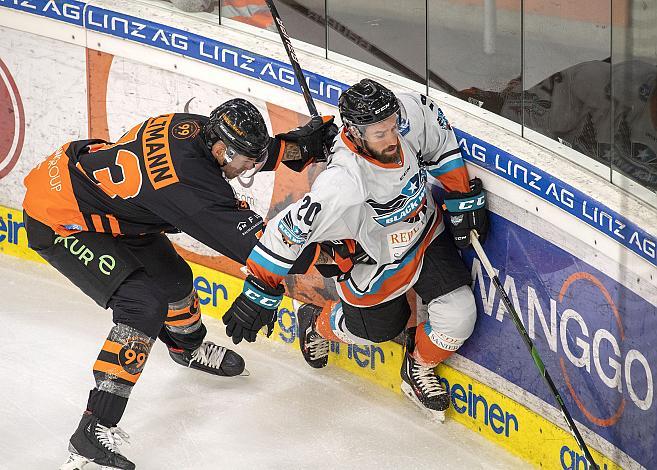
(195,6)
(252,12)
(304,20)
(475,48)
(634,92)
(566,73)
(386,34)
(207,10)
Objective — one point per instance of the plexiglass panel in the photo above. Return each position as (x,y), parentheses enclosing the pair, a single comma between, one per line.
(475,50)
(388,34)
(634,93)
(567,71)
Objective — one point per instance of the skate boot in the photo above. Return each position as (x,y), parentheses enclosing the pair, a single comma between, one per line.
(93,442)
(210,358)
(421,385)
(314,348)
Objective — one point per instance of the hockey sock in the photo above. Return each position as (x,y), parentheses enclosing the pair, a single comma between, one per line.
(107,407)
(121,360)
(116,370)
(183,327)
(433,347)
(323,324)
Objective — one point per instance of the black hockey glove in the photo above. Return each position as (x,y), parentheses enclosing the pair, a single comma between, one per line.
(254,308)
(467,211)
(312,139)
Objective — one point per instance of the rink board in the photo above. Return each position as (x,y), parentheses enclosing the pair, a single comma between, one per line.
(605,390)
(474,404)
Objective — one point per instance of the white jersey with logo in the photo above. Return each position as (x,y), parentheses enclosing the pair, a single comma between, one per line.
(387,208)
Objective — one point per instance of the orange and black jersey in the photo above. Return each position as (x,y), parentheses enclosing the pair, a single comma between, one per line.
(158,177)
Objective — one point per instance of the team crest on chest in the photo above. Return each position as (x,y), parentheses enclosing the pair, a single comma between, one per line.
(411,200)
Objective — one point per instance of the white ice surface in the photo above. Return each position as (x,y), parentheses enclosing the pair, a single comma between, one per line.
(285,415)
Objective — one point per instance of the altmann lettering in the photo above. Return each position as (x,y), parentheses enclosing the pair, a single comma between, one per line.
(157,157)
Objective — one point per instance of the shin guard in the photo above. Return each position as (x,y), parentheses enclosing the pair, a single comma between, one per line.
(451,321)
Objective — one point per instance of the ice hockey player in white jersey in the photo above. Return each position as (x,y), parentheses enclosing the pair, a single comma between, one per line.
(374,212)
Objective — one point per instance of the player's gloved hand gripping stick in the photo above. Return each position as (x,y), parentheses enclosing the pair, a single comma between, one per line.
(298,73)
(254,308)
(467,212)
(532,349)
(310,148)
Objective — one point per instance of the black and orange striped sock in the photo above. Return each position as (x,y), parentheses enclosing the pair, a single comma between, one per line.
(184,316)
(121,360)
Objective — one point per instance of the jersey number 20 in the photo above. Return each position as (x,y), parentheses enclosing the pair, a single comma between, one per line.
(311,210)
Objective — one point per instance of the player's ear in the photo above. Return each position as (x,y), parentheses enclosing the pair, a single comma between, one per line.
(218,151)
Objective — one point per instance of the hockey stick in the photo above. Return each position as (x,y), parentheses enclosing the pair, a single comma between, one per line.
(532,349)
(298,73)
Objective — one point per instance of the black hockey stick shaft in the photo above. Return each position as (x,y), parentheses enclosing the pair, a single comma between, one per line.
(532,349)
(287,43)
(298,73)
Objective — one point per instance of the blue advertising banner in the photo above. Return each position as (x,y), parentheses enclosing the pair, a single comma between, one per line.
(210,51)
(70,11)
(595,336)
(558,193)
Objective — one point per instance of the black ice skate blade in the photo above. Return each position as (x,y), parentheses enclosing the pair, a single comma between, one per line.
(433,415)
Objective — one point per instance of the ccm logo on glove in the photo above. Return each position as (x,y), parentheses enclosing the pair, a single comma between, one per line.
(472,204)
(267,302)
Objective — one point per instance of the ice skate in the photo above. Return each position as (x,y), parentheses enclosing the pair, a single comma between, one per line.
(93,442)
(421,385)
(314,348)
(210,358)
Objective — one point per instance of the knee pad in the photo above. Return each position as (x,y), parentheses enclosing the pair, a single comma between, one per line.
(451,321)
(121,360)
(184,316)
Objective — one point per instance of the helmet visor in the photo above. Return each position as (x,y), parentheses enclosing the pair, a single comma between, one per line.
(386,129)
(232,152)
(257,163)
